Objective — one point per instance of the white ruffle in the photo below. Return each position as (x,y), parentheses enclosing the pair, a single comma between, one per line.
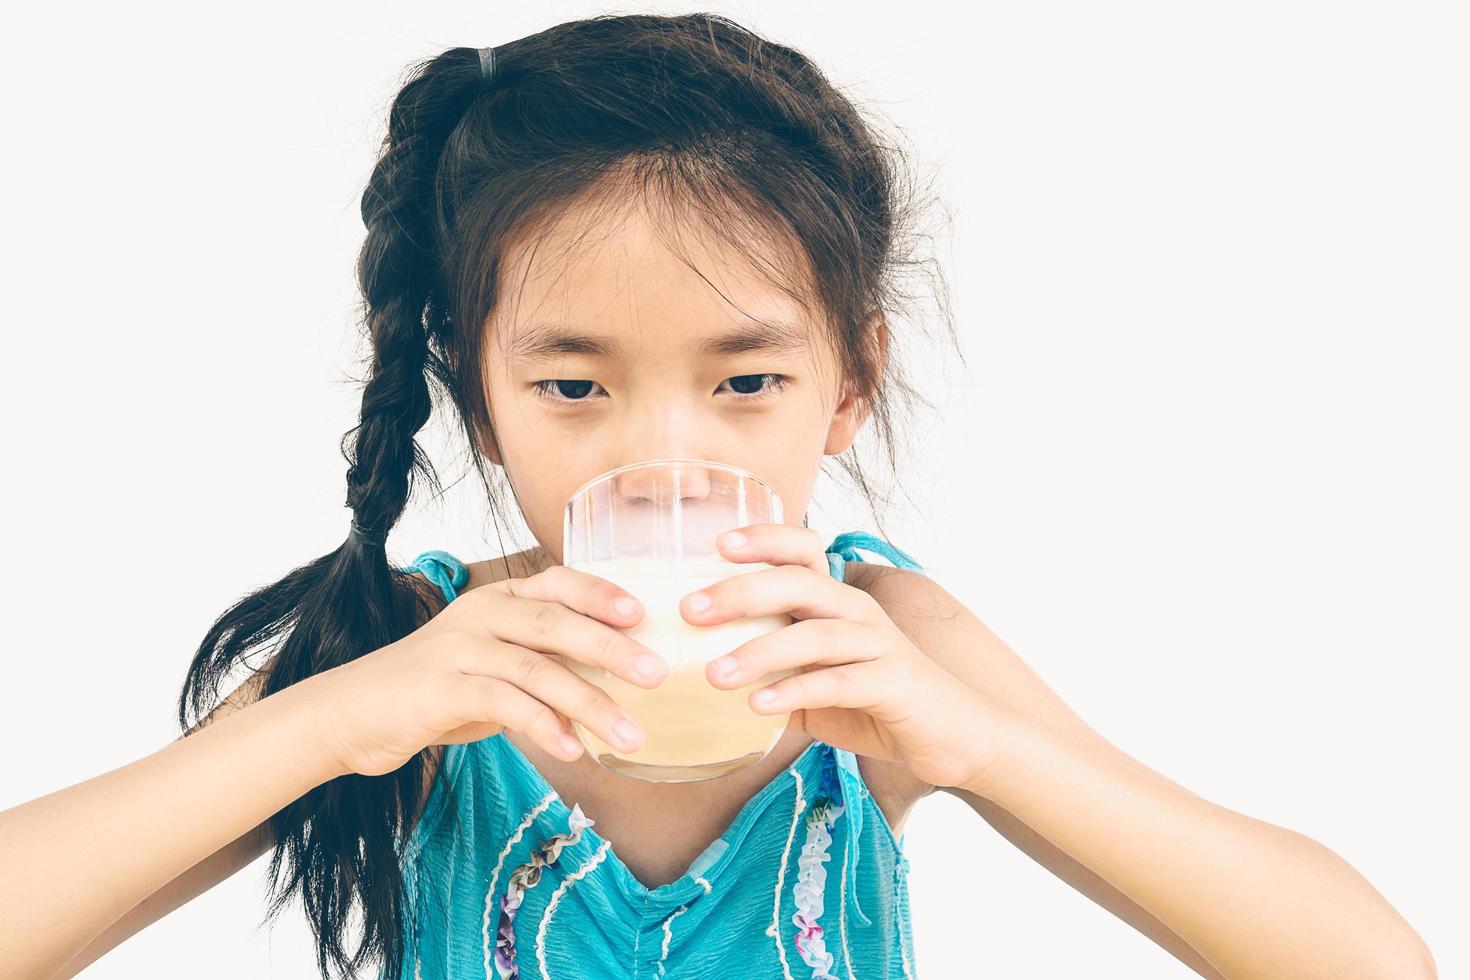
(811,884)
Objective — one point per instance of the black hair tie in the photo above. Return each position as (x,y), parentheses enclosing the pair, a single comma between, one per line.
(369,535)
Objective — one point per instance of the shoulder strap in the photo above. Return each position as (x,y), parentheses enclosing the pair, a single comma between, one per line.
(844,548)
(441,568)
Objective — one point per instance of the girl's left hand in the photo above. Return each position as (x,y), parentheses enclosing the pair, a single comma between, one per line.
(861,684)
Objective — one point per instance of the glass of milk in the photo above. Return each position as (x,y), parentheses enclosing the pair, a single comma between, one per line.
(650,528)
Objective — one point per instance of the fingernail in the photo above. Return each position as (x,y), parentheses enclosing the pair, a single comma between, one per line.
(625,605)
(571,745)
(725,666)
(733,539)
(648,665)
(764,698)
(698,602)
(627,731)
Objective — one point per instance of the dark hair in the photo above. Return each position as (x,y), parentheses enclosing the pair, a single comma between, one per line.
(695,112)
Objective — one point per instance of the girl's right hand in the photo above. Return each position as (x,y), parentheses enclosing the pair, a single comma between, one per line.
(483,664)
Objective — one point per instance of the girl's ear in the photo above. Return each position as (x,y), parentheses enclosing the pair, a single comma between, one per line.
(854,408)
(492,447)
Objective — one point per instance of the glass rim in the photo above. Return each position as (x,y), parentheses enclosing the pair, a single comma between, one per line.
(739,471)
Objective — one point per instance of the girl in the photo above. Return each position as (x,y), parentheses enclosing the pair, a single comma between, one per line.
(626,238)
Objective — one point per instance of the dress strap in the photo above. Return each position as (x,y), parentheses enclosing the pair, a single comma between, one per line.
(441,568)
(450,574)
(854,789)
(845,546)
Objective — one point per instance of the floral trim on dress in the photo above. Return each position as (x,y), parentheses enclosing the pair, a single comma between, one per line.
(811,879)
(524,877)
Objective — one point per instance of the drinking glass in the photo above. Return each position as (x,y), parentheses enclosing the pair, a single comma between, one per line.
(650,528)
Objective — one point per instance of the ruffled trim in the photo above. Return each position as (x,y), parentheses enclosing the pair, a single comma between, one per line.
(811,885)
(524,877)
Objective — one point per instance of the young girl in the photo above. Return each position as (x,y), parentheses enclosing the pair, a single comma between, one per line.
(627,238)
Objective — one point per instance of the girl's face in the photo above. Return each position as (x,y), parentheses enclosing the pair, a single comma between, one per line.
(606,349)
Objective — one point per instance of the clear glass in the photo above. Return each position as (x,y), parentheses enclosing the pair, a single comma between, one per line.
(650,527)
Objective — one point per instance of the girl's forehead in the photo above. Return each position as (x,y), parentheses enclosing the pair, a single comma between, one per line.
(622,271)
(545,341)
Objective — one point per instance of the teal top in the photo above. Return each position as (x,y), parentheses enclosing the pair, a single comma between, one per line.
(504,879)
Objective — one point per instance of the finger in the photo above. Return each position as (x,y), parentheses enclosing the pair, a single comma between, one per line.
(850,685)
(589,594)
(482,699)
(778,544)
(808,642)
(519,615)
(792,589)
(555,686)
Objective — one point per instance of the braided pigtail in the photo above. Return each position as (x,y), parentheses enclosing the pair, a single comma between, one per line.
(340,843)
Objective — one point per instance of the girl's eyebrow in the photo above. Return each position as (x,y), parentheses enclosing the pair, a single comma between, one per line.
(545,340)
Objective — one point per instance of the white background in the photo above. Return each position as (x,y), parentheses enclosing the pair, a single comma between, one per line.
(1206,471)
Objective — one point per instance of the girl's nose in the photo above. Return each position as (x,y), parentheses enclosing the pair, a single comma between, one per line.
(657,485)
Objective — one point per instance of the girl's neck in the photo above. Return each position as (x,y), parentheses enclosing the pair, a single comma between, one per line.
(522,564)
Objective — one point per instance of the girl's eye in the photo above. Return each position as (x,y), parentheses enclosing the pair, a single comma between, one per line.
(741,382)
(569,391)
(747,387)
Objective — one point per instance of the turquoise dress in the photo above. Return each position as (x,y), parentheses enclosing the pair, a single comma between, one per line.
(511,881)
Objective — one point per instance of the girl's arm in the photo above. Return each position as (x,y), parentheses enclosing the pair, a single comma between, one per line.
(1255,899)
(182,890)
(203,876)
(1251,898)
(79,859)
(1086,882)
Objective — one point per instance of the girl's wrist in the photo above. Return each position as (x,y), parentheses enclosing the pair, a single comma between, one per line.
(300,716)
(999,738)
(1021,755)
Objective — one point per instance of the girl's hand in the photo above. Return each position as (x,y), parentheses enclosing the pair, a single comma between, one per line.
(481,665)
(875,694)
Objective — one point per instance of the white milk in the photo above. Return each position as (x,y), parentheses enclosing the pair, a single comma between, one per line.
(694,729)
